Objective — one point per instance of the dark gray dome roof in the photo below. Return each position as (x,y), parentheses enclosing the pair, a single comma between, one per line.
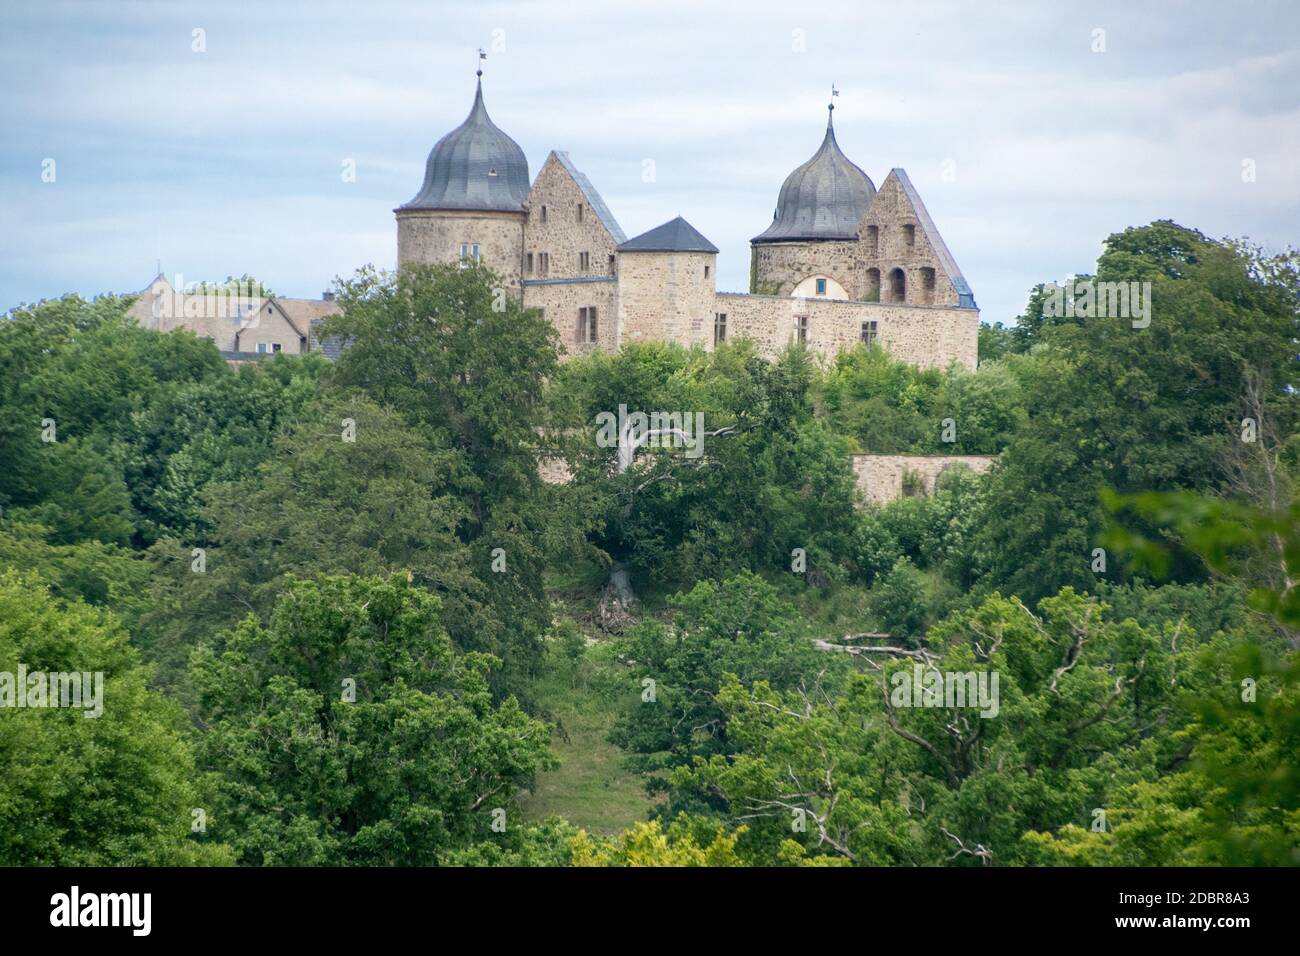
(475,166)
(822,199)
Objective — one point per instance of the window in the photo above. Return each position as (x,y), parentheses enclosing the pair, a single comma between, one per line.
(706,272)
(579,212)
(909,235)
(873,240)
(584,259)
(821,286)
(543,214)
(261,348)
(719,327)
(872,292)
(613,265)
(544,263)
(897,286)
(587,325)
(469,252)
(801,329)
(528,263)
(275,346)
(927,284)
(870,333)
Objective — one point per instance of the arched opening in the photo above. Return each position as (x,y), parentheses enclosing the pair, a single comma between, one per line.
(872,292)
(927,284)
(897,286)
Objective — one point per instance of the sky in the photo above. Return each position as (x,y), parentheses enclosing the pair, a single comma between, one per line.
(1031,130)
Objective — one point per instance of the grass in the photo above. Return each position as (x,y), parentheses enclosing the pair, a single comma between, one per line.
(591,788)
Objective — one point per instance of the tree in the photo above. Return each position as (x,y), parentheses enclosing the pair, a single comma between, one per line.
(740,627)
(1234,799)
(758,479)
(118,789)
(1137,408)
(381,502)
(348,731)
(451,350)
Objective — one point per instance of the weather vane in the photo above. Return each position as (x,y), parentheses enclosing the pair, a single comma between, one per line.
(481,57)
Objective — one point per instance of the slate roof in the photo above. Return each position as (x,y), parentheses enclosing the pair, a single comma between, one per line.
(822,199)
(331,347)
(676,235)
(593,198)
(475,166)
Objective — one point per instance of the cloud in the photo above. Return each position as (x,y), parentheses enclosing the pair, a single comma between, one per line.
(229,161)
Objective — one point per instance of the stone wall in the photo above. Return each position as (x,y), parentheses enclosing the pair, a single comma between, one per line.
(564,233)
(891,213)
(925,336)
(560,300)
(863,266)
(667,296)
(780,266)
(434,236)
(880,477)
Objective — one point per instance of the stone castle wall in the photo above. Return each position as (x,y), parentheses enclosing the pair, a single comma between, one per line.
(560,300)
(880,477)
(925,336)
(562,232)
(891,212)
(435,236)
(778,267)
(667,296)
(863,266)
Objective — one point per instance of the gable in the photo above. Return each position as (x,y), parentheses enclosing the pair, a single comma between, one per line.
(559,179)
(897,202)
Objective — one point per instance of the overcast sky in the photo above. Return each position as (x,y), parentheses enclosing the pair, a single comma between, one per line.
(230,160)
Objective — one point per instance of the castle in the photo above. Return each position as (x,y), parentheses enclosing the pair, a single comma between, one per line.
(840,263)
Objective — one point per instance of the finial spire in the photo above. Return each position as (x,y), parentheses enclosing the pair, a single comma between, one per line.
(481,57)
(830,107)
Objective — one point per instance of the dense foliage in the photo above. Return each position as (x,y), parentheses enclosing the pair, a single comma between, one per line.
(343,620)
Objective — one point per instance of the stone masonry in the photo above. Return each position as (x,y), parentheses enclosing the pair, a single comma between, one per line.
(880,477)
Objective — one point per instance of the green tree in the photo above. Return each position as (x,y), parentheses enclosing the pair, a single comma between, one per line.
(114,790)
(349,732)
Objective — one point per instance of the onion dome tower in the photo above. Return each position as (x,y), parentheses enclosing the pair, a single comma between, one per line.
(471,205)
(815,224)
(822,199)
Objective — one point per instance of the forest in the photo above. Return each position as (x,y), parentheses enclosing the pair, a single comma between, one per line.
(342,619)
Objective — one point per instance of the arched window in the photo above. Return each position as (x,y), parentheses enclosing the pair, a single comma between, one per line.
(927,284)
(872,292)
(897,286)
(873,240)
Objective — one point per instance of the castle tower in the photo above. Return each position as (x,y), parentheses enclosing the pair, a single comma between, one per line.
(472,203)
(667,285)
(811,246)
